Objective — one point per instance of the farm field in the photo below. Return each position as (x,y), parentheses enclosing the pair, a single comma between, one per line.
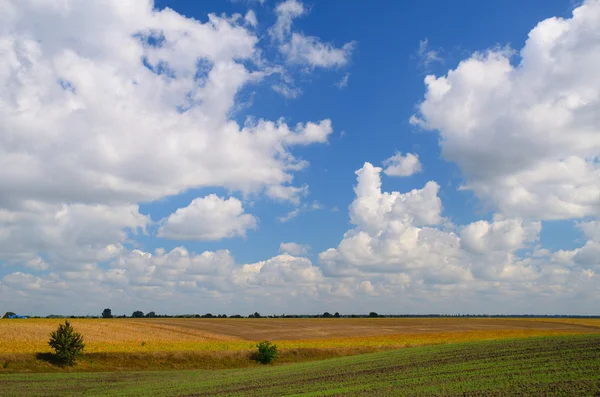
(170,344)
(557,366)
(145,335)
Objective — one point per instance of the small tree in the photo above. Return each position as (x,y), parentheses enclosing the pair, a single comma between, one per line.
(137,314)
(373,314)
(267,352)
(107,313)
(336,315)
(67,343)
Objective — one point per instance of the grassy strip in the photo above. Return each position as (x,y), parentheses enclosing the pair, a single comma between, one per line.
(568,366)
(166,360)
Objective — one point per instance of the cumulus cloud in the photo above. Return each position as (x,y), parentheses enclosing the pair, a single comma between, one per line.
(155,280)
(134,75)
(279,271)
(500,235)
(399,165)
(131,105)
(405,237)
(294,248)
(66,235)
(525,133)
(208,218)
(394,233)
(139,102)
(400,247)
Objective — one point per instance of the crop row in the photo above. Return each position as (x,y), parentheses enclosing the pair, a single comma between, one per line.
(146,342)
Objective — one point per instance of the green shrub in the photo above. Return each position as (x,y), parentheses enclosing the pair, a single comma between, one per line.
(67,344)
(267,352)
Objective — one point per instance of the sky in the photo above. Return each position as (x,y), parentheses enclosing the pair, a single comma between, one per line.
(299,157)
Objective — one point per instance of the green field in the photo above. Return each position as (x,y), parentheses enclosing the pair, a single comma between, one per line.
(546,366)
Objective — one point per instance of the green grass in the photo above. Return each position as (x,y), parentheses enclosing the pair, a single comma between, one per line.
(547,366)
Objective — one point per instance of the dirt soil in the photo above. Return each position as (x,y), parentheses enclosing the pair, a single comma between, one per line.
(297,329)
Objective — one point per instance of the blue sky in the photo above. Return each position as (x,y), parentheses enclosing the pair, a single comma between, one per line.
(248,176)
(386,83)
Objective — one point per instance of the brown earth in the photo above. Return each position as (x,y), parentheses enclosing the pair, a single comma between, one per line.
(314,328)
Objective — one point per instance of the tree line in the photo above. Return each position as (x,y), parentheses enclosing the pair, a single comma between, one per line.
(107,313)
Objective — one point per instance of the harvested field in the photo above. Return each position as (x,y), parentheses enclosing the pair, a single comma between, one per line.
(171,335)
(301,329)
(557,366)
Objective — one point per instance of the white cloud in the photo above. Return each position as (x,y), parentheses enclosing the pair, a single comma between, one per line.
(310,133)
(405,237)
(208,218)
(287,193)
(294,248)
(343,83)
(400,248)
(250,18)
(305,207)
(526,135)
(73,79)
(286,12)
(67,235)
(289,216)
(311,51)
(426,55)
(286,90)
(133,110)
(106,104)
(394,233)
(399,165)
(501,235)
(281,271)
(301,49)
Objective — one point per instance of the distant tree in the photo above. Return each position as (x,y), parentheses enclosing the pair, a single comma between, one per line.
(255,315)
(107,313)
(336,315)
(8,314)
(151,315)
(207,315)
(67,343)
(137,314)
(373,314)
(327,315)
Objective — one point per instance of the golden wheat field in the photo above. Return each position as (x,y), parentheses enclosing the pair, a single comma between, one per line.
(169,335)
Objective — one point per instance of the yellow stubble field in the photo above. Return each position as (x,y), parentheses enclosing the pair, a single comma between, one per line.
(170,335)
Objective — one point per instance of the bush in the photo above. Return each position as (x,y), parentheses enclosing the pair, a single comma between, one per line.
(267,352)
(67,344)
